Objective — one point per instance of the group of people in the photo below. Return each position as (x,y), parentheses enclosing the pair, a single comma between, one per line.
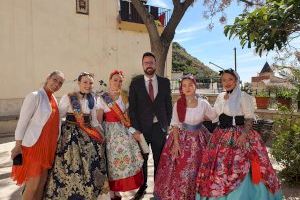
(95,152)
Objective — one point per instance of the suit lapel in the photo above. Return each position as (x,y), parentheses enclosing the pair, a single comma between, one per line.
(144,89)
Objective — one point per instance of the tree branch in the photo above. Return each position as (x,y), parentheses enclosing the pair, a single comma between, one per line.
(176,3)
(177,14)
(148,21)
(251,3)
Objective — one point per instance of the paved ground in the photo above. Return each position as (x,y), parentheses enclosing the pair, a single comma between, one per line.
(9,191)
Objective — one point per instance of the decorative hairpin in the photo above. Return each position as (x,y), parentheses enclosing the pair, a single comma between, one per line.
(116,72)
(230,70)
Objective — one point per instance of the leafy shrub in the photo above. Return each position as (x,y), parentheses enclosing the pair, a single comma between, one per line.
(262,93)
(286,146)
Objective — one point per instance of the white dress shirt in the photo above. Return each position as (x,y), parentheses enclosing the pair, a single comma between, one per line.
(155,89)
(154,83)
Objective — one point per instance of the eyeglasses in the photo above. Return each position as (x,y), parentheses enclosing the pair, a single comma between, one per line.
(148,63)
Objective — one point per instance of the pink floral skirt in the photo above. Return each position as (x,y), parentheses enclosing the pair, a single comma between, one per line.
(176,177)
(225,165)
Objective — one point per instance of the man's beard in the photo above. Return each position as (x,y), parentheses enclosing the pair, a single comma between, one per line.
(149,71)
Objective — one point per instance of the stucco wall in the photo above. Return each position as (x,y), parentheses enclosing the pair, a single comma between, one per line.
(39,36)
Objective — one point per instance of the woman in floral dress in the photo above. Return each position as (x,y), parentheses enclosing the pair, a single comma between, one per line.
(235,164)
(124,158)
(182,153)
(79,171)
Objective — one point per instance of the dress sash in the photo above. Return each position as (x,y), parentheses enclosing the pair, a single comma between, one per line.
(90,131)
(116,110)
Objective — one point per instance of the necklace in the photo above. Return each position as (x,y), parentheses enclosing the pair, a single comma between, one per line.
(114,95)
(190,100)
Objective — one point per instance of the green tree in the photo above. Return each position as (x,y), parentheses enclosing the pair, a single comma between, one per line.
(268,27)
(160,43)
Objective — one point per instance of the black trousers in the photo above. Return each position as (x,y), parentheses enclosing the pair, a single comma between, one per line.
(157,139)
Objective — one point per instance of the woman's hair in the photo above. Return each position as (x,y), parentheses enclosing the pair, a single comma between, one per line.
(119,72)
(55,72)
(181,102)
(85,74)
(148,54)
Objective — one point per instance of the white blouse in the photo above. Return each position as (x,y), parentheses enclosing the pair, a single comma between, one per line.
(103,106)
(65,107)
(246,106)
(195,115)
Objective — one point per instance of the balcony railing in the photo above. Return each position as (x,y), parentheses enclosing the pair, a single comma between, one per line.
(128,13)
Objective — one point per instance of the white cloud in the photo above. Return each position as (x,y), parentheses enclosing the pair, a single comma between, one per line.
(191,29)
(184,38)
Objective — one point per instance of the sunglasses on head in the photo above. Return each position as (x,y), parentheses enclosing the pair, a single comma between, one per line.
(187,76)
(230,71)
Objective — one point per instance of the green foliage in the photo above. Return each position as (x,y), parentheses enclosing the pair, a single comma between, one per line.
(262,93)
(286,146)
(247,88)
(268,27)
(286,93)
(184,62)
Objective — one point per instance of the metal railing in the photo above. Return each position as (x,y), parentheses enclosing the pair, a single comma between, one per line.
(130,14)
(207,85)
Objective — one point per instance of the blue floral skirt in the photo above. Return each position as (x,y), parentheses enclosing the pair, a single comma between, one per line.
(79,170)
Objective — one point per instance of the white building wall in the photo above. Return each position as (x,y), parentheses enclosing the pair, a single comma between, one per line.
(39,36)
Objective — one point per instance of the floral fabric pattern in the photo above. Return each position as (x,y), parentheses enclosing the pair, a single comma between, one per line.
(176,177)
(124,158)
(225,165)
(79,170)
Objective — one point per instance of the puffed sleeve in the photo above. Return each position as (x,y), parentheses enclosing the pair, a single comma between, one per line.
(175,120)
(101,104)
(218,107)
(28,108)
(248,106)
(210,112)
(64,105)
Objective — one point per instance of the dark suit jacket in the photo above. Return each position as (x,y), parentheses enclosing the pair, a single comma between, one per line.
(142,109)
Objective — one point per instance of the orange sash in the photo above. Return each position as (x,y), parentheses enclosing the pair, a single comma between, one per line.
(90,131)
(122,116)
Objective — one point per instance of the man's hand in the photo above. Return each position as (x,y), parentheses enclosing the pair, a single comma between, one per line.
(136,135)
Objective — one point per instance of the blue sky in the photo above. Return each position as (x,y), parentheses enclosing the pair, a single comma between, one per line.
(213,46)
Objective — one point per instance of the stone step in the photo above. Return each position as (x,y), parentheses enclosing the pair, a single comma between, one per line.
(8,124)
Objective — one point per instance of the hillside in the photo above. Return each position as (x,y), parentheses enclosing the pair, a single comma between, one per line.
(184,62)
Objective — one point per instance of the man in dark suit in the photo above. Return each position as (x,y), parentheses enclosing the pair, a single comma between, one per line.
(150,110)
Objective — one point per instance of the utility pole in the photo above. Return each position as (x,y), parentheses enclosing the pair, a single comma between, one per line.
(234,58)
(216,65)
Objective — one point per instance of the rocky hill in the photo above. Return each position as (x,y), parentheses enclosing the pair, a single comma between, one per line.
(184,62)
